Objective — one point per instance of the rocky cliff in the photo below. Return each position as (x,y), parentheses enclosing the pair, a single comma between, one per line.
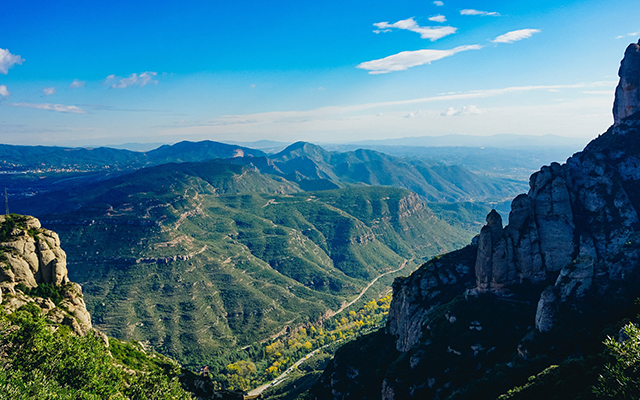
(33,269)
(473,323)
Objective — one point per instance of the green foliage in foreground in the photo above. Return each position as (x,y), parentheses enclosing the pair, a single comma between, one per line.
(41,361)
(621,377)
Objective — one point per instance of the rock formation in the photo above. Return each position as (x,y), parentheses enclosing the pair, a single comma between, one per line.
(31,256)
(628,91)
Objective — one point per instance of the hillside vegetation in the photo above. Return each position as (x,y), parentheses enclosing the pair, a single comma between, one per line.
(198,259)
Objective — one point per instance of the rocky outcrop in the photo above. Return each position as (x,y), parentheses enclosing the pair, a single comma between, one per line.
(416,296)
(571,225)
(409,205)
(627,99)
(31,256)
(539,239)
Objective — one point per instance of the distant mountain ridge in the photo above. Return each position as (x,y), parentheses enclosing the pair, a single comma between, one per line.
(308,165)
(23,158)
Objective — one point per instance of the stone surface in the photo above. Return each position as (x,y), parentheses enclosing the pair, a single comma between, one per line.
(32,256)
(627,99)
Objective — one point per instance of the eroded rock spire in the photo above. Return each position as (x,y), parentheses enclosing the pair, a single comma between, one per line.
(627,99)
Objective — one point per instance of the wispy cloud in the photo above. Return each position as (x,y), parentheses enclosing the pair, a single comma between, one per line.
(408,59)
(49,91)
(478,12)
(4,92)
(466,110)
(514,36)
(426,32)
(8,60)
(628,34)
(145,78)
(438,18)
(336,110)
(438,3)
(50,107)
(76,84)
(379,118)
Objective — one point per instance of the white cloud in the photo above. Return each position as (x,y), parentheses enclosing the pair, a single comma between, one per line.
(438,18)
(438,3)
(466,110)
(145,78)
(605,92)
(50,107)
(477,12)
(426,32)
(49,91)
(408,59)
(628,34)
(4,92)
(514,36)
(8,60)
(76,84)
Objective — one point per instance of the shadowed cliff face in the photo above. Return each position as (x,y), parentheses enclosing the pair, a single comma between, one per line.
(541,287)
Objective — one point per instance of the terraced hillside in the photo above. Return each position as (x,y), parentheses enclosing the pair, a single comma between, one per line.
(200,258)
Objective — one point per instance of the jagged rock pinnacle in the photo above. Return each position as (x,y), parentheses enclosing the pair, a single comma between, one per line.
(627,99)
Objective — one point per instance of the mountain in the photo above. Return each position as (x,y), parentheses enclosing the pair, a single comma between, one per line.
(198,151)
(200,259)
(22,158)
(29,171)
(514,163)
(537,296)
(313,167)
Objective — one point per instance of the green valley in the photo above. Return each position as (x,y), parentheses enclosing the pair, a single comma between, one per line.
(198,259)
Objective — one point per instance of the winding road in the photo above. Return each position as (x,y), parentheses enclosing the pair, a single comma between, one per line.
(255,393)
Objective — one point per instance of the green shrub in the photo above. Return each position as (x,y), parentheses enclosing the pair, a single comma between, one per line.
(44,363)
(44,290)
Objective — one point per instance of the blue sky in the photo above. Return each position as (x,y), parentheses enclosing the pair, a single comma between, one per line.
(95,73)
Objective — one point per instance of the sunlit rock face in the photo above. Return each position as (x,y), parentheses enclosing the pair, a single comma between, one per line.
(30,256)
(628,93)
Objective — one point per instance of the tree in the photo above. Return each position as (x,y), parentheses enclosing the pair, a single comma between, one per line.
(621,378)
